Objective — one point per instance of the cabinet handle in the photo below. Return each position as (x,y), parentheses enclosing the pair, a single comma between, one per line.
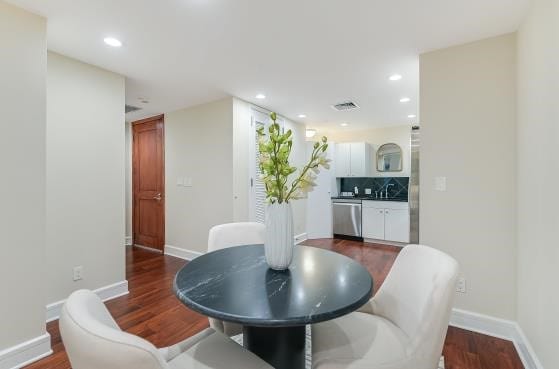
(380,211)
(386,212)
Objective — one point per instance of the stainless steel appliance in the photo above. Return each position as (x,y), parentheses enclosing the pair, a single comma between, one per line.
(347,217)
(413,189)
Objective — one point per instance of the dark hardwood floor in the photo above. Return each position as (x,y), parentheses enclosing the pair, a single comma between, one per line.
(152,311)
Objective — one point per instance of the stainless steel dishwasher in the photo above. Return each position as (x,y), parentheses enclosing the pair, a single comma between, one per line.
(347,217)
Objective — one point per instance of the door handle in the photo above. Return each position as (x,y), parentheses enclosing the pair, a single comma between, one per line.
(157,197)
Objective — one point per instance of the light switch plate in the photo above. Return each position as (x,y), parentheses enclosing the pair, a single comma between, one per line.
(179,182)
(440,183)
(187,182)
(367,191)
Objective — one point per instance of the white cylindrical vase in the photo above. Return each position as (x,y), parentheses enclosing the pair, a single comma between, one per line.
(280,241)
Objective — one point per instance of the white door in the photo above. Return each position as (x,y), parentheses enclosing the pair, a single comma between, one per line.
(257,198)
(343,160)
(319,203)
(397,225)
(357,154)
(373,223)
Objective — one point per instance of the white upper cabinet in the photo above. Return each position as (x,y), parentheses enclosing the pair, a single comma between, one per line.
(343,160)
(353,159)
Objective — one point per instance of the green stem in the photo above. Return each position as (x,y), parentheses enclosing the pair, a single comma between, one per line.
(305,170)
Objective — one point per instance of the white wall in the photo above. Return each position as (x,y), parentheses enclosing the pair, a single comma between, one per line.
(22,159)
(85,176)
(538,177)
(468,135)
(377,137)
(241,143)
(198,145)
(210,144)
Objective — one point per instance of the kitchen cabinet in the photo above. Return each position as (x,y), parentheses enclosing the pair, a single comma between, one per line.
(353,159)
(343,160)
(397,225)
(373,223)
(386,220)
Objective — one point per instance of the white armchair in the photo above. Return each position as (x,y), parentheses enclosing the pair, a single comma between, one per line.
(403,326)
(229,235)
(93,340)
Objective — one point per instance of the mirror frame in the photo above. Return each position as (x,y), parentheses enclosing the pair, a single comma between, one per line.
(401,158)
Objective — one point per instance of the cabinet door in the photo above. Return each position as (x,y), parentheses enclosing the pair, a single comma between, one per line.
(397,225)
(373,223)
(358,159)
(343,159)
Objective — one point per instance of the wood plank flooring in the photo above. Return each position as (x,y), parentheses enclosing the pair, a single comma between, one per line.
(152,311)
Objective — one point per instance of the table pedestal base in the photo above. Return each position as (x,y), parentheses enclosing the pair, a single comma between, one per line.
(281,347)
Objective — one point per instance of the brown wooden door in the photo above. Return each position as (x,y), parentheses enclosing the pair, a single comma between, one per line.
(148,182)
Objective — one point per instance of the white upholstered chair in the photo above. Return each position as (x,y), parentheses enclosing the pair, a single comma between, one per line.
(403,326)
(93,340)
(229,235)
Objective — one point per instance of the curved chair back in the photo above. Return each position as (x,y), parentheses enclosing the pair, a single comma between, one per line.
(236,234)
(93,340)
(417,296)
(229,235)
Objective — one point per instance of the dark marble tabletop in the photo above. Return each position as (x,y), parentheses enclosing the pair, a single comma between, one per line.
(236,285)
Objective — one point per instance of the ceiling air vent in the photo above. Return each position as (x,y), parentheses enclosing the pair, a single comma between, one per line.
(130,108)
(346,105)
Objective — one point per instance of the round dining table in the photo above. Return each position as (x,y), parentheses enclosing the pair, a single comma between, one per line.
(236,285)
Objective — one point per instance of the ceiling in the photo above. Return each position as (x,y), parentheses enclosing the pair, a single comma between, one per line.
(304,55)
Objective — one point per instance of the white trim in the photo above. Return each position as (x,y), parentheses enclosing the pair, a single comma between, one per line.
(25,353)
(385,242)
(181,253)
(500,328)
(105,293)
(128,240)
(150,249)
(300,238)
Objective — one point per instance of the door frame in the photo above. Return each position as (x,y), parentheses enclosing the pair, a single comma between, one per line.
(160,117)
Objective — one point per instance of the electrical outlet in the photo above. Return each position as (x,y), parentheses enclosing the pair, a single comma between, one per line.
(367,191)
(461,285)
(78,273)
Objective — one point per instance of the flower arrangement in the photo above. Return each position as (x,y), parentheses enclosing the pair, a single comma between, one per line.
(275,149)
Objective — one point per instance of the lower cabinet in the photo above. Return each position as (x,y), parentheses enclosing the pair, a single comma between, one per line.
(373,223)
(386,220)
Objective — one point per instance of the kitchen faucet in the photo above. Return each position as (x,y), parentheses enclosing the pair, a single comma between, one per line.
(386,190)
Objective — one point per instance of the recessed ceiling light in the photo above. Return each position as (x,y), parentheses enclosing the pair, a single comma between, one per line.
(412,116)
(310,133)
(395,77)
(111,41)
(405,99)
(260,96)
(344,124)
(302,116)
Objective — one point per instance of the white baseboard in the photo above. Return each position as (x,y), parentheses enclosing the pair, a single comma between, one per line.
(128,240)
(186,254)
(300,238)
(500,328)
(385,242)
(26,352)
(181,253)
(105,293)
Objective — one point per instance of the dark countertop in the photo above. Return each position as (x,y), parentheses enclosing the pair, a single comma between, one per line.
(368,198)
(236,285)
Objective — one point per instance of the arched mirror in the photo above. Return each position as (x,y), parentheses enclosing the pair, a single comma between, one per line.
(389,158)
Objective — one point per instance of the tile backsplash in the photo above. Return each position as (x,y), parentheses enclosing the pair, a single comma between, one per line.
(399,190)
